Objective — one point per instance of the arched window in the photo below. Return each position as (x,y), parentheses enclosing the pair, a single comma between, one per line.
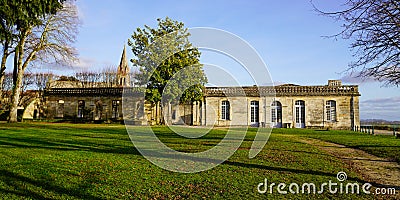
(330,111)
(225,110)
(276,114)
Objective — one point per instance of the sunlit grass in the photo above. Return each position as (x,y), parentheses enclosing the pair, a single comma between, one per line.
(81,161)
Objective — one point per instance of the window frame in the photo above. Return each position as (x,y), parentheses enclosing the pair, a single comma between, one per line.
(115,109)
(254,111)
(225,110)
(330,111)
(60,108)
(81,108)
(276,112)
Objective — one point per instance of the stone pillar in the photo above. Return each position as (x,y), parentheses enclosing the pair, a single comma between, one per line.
(203,113)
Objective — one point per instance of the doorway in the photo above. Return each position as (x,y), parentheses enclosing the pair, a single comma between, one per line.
(276,114)
(254,113)
(300,114)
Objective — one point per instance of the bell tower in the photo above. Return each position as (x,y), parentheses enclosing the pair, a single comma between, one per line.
(123,77)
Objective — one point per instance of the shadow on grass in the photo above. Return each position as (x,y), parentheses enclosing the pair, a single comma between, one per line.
(27,187)
(68,145)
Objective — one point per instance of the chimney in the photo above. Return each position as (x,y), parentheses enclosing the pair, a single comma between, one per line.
(334,82)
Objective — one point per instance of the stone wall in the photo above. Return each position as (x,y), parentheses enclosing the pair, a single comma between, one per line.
(69,109)
(63,103)
(96,108)
(315,111)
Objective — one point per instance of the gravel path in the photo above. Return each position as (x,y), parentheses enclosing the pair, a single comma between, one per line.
(380,172)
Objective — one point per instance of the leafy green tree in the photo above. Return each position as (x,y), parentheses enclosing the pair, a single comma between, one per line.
(18,16)
(40,30)
(168,63)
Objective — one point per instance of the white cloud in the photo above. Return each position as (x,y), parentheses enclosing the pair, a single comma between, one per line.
(85,63)
(381,108)
(92,64)
(355,78)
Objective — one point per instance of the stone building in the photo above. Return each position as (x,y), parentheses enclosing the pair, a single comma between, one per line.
(90,101)
(291,106)
(333,105)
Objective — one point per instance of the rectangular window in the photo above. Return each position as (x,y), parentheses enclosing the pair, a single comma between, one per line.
(174,114)
(276,112)
(330,111)
(115,110)
(60,109)
(81,108)
(273,117)
(254,112)
(225,113)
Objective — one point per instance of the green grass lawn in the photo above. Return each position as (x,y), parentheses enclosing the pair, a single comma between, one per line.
(81,161)
(385,146)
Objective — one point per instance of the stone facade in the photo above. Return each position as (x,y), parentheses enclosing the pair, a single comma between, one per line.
(333,106)
(289,106)
(93,104)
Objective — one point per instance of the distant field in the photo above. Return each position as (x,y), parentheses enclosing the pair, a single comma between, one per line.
(80,161)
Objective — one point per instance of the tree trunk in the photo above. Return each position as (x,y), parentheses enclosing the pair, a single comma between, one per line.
(2,71)
(15,97)
(18,75)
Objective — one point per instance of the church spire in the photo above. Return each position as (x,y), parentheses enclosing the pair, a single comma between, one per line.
(123,63)
(123,70)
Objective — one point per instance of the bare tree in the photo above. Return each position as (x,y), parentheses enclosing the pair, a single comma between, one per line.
(41,80)
(82,77)
(8,44)
(28,92)
(8,82)
(6,86)
(48,42)
(32,84)
(27,82)
(106,78)
(88,79)
(374,27)
(109,76)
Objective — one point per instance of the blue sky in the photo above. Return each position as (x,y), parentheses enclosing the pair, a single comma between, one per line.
(287,35)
